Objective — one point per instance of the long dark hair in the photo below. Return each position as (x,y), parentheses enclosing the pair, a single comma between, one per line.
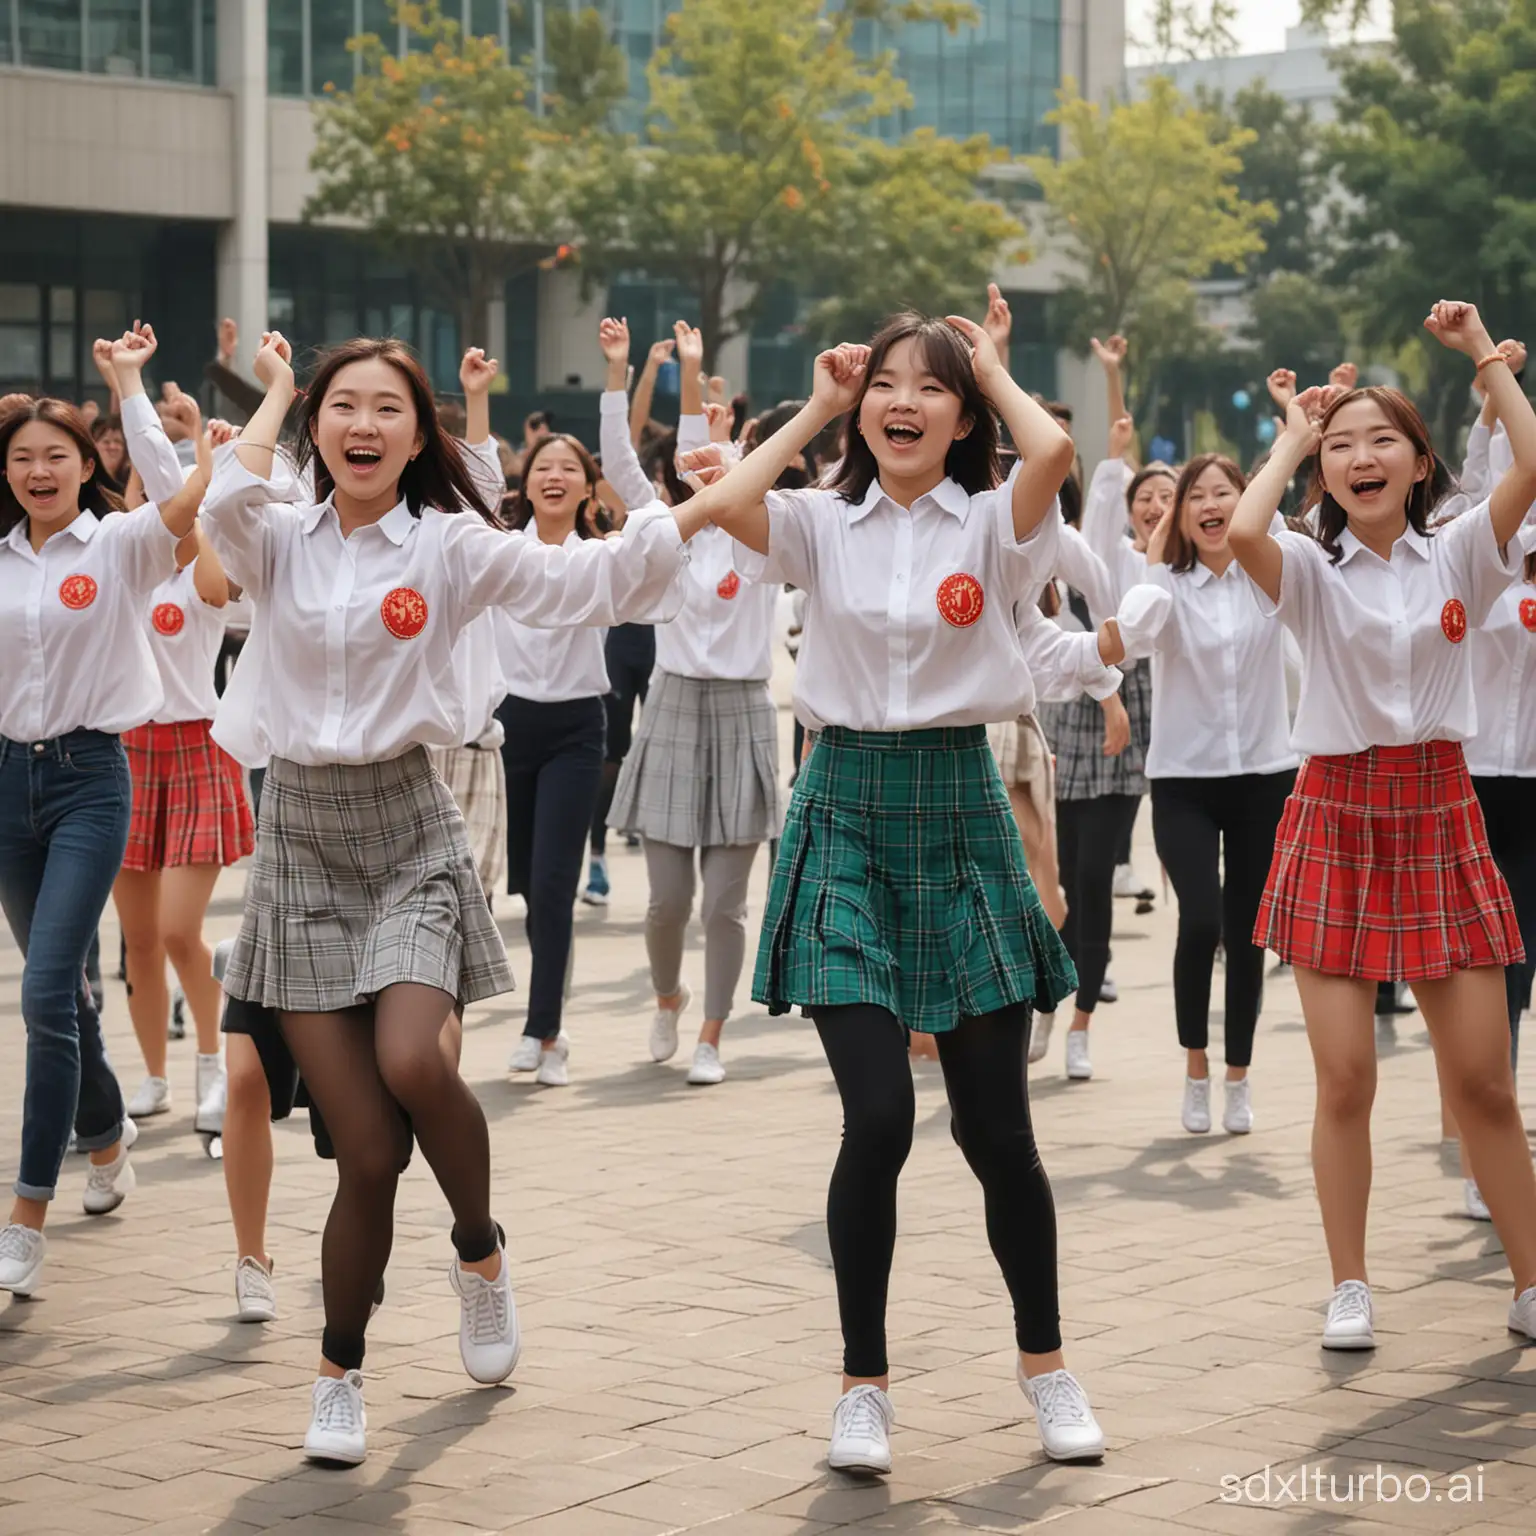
(436,477)
(1179,552)
(802,471)
(972,461)
(522,506)
(97,492)
(661,458)
(1426,495)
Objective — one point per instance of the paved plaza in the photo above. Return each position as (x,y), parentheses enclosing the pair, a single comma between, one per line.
(680,1329)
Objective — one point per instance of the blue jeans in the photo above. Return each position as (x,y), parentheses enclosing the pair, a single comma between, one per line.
(64,808)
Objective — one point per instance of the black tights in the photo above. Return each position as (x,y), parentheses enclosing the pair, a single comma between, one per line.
(1090,835)
(983,1062)
(367,1069)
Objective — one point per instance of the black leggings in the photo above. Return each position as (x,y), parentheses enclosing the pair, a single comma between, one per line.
(1089,837)
(983,1062)
(554,760)
(630,652)
(1216,838)
(1509,809)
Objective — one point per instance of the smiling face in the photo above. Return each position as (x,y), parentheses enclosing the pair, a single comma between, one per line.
(1369,464)
(909,417)
(556,481)
(45,471)
(113,451)
(1208,507)
(365,429)
(1149,501)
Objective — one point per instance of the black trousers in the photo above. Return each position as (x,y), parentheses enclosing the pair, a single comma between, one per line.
(1216,838)
(1509,809)
(983,1061)
(630,652)
(554,760)
(1089,837)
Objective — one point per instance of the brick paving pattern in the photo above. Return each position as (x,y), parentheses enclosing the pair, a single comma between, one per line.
(679,1322)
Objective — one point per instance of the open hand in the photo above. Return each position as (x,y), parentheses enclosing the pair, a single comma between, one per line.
(661,352)
(986,362)
(1345,376)
(613,338)
(999,321)
(1459,326)
(1110,353)
(690,345)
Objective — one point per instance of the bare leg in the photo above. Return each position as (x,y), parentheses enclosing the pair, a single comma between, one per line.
(136,895)
(1469,1024)
(1341,1029)
(184,896)
(248,1148)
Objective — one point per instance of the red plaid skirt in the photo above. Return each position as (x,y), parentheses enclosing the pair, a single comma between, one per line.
(189,804)
(1382,870)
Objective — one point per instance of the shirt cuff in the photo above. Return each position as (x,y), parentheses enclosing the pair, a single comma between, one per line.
(613,402)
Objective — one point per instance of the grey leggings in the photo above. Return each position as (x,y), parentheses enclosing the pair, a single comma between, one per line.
(723,912)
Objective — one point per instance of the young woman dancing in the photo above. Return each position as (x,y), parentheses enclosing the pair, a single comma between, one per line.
(900,899)
(75,574)
(1381,868)
(1220,766)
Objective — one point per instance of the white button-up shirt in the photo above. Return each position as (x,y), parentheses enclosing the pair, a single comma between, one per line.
(185,634)
(1063,663)
(1384,653)
(1104,527)
(354,638)
(910,614)
(551,666)
(725,628)
(76,651)
(1504,685)
(1218,677)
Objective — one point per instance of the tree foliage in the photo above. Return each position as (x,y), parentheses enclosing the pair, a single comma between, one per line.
(1189,29)
(1437,146)
(440,155)
(758,164)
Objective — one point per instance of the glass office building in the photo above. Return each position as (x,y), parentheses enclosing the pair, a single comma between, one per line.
(170,40)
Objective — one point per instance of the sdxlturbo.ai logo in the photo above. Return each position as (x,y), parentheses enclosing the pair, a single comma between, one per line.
(1313,1485)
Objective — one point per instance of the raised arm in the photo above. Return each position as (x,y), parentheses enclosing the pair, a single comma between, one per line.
(621,464)
(645,389)
(149,449)
(1254,546)
(735,500)
(1045,451)
(101,355)
(274,370)
(1111,356)
(1460,327)
(690,362)
(476,373)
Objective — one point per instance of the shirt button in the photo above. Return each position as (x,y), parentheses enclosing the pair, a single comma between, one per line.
(338,607)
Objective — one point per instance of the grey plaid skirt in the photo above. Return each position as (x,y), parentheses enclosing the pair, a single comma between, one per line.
(363,877)
(703,771)
(478,783)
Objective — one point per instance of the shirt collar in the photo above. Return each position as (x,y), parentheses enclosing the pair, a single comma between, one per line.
(946,495)
(1411,537)
(83,527)
(395,525)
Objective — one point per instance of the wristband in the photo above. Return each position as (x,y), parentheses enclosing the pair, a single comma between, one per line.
(1493,357)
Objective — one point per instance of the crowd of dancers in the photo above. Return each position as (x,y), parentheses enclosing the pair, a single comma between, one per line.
(1318,671)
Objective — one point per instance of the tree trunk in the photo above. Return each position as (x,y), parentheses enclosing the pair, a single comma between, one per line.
(711,296)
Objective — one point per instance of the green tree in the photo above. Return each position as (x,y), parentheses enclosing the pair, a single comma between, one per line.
(1145,203)
(1436,146)
(440,155)
(757,166)
(1190,29)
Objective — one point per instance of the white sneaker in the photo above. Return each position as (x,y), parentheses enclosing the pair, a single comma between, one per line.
(861,1431)
(552,1071)
(1126,883)
(489,1343)
(153,1098)
(1237,1117)
(664,1026)
(1477,1207)
(1040,1036)
(1078,1064)
(107,1185)
(1350,1318)
(706,1069)
(525,1054)
(1522,1313)
(255,1297)
(22,1252)
(212,1096)
(1068,1429)
(1197,1105)
(517,906)
(338,1424)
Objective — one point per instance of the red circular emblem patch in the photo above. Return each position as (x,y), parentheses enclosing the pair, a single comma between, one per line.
(1528,613)
(961,600)
(729,586)
(1453,620)
(168,619)
(77,591)
(404,613)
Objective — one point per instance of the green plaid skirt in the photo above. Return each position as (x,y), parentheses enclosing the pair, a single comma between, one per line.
(901,882)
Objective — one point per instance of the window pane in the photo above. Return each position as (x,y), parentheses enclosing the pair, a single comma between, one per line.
(330,27)
(6,8)
(61,305)
(113,41)
(172,39)
(61,354)
(485,17)
(285,47)
(50,33)
(21,355)
(21,301)
(377,17)
(106,313)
